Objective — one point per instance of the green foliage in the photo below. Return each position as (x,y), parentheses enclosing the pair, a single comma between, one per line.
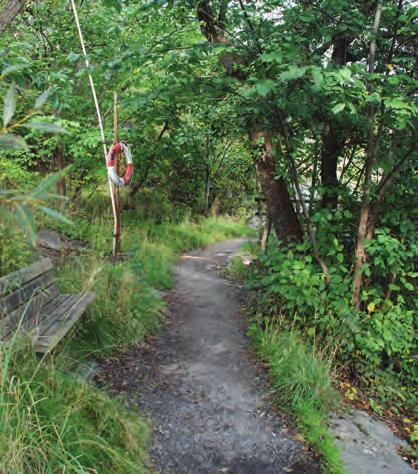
(15,252)
(125,310)
(300,376)
(378,339)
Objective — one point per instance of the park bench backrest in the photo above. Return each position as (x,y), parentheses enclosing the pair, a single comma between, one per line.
(23,294)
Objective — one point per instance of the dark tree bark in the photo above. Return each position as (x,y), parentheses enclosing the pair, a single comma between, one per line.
(333,139)
(279,205)
(7,15)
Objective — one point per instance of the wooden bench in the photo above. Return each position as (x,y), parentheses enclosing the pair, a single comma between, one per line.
(30,301)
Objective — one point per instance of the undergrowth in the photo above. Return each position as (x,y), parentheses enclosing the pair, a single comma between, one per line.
(371,348)
(52,421)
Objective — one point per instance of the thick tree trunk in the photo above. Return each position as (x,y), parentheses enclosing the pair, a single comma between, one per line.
(332,138)
(279,205)
(7,15)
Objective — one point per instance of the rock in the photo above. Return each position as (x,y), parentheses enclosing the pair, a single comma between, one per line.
(49,239)
(367,445)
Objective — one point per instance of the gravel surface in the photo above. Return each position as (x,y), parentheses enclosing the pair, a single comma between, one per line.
(206,397)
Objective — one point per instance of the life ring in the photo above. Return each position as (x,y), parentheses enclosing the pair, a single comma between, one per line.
(116,148)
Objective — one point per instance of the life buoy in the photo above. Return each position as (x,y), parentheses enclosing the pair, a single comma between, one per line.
(116,148)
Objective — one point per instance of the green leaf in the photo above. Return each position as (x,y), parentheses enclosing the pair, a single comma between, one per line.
(265,86)
(10,141)
(55,214)
(113,4)
(396,104)
(14,67)
(274,56)
(317,79)
(46,127)
(24,218)
(338,108)
(73,57)
(46,183)
(9,104)
(40,101)
(292,73)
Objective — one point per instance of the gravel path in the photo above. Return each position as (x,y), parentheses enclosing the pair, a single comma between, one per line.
(204,395)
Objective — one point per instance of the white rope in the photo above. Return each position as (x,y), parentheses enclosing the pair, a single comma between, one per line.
(96,103)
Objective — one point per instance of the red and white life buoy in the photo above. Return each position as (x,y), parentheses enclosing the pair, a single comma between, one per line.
(116,148)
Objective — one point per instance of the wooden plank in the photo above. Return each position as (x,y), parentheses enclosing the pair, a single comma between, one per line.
(47,340)
(15,280)
(55,312)
(29,310)
(12,301)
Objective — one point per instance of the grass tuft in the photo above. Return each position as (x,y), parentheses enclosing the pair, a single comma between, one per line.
(302,385)
(52,421)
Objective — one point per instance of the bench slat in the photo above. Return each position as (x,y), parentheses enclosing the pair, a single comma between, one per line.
(29,311)
(15,280)
(53,312)
(12,301)
(50,336)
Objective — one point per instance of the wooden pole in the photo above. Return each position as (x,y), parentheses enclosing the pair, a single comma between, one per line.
(98,114)
(116,196)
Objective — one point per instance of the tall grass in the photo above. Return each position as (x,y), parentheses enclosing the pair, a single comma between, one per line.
(302,385)
(51,421)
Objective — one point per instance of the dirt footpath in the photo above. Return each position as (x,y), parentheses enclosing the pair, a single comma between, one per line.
(206,400)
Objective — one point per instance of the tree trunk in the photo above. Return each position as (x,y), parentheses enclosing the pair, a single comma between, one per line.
(332,138)
(7,15)
(207,190)
(372,143)
(279,205)
(265,234)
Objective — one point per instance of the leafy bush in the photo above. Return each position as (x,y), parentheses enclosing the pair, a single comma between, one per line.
(378,338)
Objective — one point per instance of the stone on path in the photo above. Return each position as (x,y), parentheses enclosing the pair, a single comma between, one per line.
(367,445)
